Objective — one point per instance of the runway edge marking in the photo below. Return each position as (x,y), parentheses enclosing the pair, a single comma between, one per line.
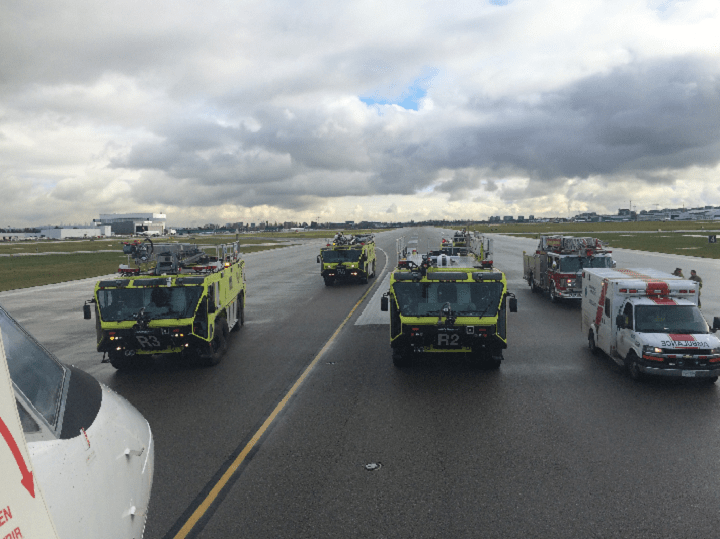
(198,514)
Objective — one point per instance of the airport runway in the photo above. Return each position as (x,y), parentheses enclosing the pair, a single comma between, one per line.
(557,443)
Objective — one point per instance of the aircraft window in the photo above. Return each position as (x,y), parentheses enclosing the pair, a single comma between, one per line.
(33,369)
(26,420)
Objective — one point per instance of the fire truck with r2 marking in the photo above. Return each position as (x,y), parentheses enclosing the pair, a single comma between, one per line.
(443,303)
(557,264)
(649,322)
(177,300)
(348,259)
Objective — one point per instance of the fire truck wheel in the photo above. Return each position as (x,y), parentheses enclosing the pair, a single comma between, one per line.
(492,362)
(591,343)
(401,358)
(531,283)
(240,314)
(328,282)
(124,362)
(219,343)
(631,363)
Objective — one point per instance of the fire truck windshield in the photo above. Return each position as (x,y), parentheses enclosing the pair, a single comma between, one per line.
(669,319)
(573,264)
(161,303)
(341,255)
(466,299)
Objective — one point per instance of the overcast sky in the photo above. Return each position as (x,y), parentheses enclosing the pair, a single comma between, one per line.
(222,111)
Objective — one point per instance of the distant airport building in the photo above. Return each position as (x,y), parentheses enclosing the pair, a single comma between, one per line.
(68,233)
(133,223)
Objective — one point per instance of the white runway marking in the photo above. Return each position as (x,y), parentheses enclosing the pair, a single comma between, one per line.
(372,313)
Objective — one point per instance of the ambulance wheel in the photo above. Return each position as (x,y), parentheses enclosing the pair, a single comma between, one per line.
(401,358)
(710,380)
(553,295)
(125,360)
(240,314)
(631,363)
(218,345)
(591,343)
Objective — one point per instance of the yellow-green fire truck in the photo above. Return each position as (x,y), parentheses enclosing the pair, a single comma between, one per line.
(442,303)
(177,300)
(348,258)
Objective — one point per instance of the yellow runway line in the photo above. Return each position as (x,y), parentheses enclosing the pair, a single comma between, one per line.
(213,494)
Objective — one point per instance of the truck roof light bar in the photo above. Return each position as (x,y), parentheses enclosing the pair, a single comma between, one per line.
(487,276)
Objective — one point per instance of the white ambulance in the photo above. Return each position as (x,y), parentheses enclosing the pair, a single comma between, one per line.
(649,321)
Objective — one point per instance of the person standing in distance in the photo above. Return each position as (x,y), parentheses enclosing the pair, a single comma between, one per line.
(695,277)
(678,273)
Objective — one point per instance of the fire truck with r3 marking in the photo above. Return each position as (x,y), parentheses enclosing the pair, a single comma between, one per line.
(448,303)
(178,300)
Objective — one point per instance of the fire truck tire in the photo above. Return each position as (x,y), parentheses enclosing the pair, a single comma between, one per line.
(240,314)
(364,279)
(401,358)
(328,282)
(591,343)
(492,362)
(124,362)
(218,345)
(531,283)
(631,364)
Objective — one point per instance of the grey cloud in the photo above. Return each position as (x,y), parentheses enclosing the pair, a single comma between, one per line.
(640,119)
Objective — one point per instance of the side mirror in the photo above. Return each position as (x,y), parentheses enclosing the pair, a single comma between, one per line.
(384,303)
(87,312)
(614,265)
(318,259)
(513,305)
(716,323)
(620,321)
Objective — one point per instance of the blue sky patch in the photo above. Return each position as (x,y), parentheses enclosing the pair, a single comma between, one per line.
(409,98)
(499,2)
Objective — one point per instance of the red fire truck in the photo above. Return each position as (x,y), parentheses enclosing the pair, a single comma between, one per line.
(556,266)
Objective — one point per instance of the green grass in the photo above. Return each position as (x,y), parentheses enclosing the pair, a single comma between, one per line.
(651,236)
(578,228)
(51,246)
(26,271)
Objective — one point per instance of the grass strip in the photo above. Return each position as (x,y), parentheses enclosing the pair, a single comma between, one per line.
(26,271)
(672,243)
